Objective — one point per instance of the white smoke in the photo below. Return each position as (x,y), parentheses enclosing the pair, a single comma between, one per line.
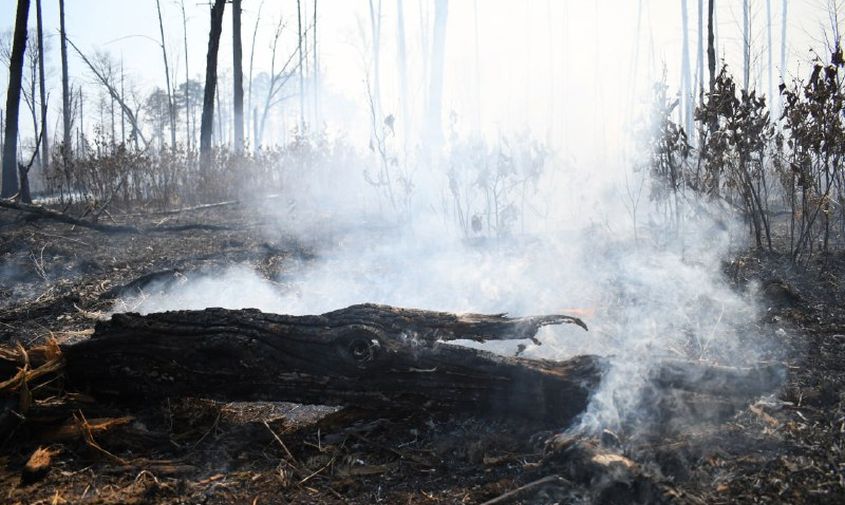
(646,296)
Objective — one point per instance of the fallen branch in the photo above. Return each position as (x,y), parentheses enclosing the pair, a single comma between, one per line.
(44,212)
(204,206)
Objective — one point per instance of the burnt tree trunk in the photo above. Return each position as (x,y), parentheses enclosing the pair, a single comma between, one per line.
(66,92)
(42,93)
(207,119)
(711,45)
(13,98)
(237,60)
(171,110)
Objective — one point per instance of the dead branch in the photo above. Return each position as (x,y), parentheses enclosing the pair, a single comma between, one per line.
(130,116)
(46,213)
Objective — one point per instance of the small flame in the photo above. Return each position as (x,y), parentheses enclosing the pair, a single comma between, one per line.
(584,312)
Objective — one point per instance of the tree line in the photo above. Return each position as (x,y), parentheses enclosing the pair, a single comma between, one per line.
(120,109)
(773,159)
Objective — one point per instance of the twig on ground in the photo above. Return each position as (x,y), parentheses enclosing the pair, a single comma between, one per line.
(38,262)
(518,493)
(284,447)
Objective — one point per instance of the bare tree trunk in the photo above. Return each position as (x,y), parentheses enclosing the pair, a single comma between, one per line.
(635,66)
(700,52)
(301,66)
(746,44)
(113,125)
(122,114)
(188,109)
(31,101)
(425,56)
(770,50)
(81,130)
(713,124)
(101,105)
(477,65)
(219,134)
(305,51)
(375,31)
(686,80)
(66,93)
(171,112)
(316,70)
(256,147)
(251,109)
(45,145)
(434,129)
(259,132)
(207,121)
(783,40)
(403,71)
(13,98)
(237,63)
(711,42)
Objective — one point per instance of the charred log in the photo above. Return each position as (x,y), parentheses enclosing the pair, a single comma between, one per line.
(369,356)
(365,355)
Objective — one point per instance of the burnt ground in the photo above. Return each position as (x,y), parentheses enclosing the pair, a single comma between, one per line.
(56,280)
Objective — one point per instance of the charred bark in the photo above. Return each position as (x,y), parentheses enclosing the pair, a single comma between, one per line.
(207,119)
(10,141)
(237,59)
(711,45)
(66,91)
(370,356)
(366,355)
(44,136)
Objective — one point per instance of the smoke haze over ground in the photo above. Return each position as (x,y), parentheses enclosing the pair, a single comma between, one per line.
(683,195)
(657,295)
(525,201)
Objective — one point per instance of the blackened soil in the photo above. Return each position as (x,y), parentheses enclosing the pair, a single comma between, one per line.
(56,280)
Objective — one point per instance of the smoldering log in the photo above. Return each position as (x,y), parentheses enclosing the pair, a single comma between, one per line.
(368,355)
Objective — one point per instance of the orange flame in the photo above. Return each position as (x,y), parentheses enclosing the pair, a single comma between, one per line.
(584,312)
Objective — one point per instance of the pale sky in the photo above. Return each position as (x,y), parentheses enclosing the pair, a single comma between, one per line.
(570,71)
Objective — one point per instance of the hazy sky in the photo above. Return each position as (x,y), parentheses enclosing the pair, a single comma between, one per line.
(568,70)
